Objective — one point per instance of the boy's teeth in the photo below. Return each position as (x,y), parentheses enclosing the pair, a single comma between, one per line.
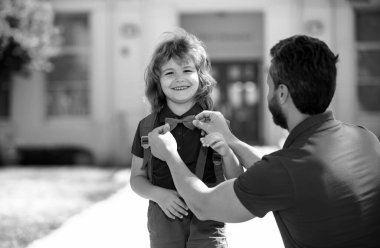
(180,88)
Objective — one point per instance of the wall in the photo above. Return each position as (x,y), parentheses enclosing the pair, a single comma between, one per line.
(124,35)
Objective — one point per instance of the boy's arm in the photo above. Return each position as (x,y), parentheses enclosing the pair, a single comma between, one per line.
(167,199)
(231,165)
(139,180)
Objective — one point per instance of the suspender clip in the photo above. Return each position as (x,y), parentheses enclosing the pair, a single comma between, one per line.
(145,142)
(216,158)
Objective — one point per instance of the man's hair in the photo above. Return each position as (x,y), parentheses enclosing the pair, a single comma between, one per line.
(308,68)
(182,47)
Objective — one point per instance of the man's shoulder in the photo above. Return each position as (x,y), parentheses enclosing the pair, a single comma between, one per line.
(358,129)
(281,155)
(290,160)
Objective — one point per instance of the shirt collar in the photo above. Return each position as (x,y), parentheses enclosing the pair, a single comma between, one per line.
(167,112)
(310,124)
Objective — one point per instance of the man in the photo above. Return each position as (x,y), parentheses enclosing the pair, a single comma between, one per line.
(323,186)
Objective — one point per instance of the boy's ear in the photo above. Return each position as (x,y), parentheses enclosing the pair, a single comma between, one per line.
(282,93)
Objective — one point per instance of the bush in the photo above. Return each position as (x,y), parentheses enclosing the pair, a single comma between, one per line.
(28,37)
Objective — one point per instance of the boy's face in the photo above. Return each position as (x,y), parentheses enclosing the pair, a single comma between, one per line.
(179,81)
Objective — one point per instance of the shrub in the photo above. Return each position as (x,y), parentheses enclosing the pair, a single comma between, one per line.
(28,37)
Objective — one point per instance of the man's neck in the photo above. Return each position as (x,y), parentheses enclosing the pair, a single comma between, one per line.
(296,118)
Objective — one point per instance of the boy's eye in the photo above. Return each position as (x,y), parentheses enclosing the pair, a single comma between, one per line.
(188,70)
(168,73)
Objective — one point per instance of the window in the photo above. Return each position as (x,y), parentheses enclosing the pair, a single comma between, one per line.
(368,49)
(68,86)
(4,99)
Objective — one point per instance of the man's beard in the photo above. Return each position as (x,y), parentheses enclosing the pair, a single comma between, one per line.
(277,115)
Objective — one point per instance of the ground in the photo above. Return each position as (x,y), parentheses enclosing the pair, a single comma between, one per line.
(34,201)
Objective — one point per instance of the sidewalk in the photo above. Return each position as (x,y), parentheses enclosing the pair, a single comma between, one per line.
(120,222)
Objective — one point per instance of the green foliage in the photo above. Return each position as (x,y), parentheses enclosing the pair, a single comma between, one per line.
(28,37)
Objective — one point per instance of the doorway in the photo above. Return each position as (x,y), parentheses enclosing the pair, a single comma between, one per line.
(237,96)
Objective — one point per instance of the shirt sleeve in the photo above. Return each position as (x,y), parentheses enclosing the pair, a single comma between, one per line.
(137,149)
(265,186)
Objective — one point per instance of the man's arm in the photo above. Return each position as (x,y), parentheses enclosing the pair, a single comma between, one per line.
(219,203)
(246,154)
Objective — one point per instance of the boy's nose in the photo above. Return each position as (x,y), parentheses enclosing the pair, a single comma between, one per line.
(179,78)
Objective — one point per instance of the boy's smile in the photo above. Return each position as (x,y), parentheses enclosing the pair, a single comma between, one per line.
(179,82)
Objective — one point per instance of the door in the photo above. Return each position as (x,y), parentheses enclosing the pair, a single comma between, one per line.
(237,96)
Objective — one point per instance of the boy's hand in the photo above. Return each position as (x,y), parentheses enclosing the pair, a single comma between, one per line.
(172,205)
(217,142)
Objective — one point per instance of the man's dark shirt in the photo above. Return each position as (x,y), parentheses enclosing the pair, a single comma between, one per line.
(323,186)
(188,143)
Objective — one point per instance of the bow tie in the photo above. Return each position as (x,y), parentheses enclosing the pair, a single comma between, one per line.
(186,121)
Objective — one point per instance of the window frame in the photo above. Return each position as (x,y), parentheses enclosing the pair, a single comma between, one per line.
(76,50)
(363,46)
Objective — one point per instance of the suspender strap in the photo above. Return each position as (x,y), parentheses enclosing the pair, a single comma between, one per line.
(147,125)
(147,163)
(201,162)
(217,162)
(218,167)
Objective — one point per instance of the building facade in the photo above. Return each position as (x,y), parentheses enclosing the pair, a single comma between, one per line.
(94,97)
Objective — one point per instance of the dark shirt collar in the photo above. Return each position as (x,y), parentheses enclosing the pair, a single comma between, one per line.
(167,112)
(309,125)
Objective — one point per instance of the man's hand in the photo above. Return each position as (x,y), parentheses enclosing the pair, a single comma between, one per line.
(162,142)
(211,121)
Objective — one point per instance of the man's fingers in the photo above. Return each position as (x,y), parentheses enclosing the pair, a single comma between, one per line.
(203,115)
(163,129)
(201,125)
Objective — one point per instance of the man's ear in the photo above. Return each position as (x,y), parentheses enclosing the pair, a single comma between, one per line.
(283,93)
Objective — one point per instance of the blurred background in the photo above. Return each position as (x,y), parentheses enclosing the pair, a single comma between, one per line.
(72,90)
(85,106)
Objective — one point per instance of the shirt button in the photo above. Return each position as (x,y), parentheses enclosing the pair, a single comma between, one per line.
(178,148)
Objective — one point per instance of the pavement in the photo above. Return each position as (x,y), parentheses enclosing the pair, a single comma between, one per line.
(120,222)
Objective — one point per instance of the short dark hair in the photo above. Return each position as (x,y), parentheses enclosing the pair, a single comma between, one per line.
(307,67)
(182,47)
